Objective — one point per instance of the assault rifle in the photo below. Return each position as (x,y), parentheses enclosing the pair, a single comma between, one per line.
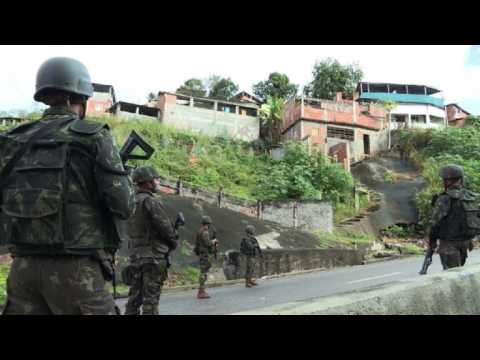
(132,142)
(215,247)
(427,261)
(180,221)
(433,236)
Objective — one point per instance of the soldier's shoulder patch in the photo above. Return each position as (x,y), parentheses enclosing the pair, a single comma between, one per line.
(87,127)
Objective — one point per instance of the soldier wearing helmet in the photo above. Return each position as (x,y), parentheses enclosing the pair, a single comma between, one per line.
(151,237)
(447,225)
(250,248)
(205,245)
(61,207)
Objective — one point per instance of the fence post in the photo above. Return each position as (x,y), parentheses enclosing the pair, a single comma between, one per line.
(259,209)
(179,187)
(295,210)
(220,196)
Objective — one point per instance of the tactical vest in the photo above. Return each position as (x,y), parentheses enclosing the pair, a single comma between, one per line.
(143,242)
(43,210)
(463,220)
(203,242)
(249,246)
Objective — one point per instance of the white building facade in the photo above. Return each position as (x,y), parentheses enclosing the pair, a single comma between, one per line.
(417,106)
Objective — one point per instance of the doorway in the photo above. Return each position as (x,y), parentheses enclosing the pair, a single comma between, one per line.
(366,144)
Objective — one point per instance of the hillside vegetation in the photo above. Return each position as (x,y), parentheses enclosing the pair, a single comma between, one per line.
(431,149)
(244,170)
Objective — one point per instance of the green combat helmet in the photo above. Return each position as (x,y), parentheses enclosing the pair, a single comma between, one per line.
(451,171)
(250,229)
(206,220)
(144,174)
(62,73)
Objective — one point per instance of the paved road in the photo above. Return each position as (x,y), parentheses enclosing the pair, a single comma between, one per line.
(236,298)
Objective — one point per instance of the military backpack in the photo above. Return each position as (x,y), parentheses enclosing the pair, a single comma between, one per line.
(33,186)
(463,219)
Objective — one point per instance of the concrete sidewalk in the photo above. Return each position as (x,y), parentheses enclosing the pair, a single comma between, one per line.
(452,292)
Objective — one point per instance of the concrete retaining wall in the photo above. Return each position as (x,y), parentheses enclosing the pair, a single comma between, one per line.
(453,292)
(280,261)
(305,215)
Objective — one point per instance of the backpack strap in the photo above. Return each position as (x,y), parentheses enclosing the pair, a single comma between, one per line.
(43,131)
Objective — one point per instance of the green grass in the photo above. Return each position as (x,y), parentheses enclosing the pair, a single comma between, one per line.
(389,177)
(412,249)
(344,211)
(201,161)
(400,231)
(4,269)
(344,238)
(188,275)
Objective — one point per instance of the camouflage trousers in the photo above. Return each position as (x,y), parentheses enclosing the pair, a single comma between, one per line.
(205,265)
(453,253)
(147,282)
(66,285)
(250,267)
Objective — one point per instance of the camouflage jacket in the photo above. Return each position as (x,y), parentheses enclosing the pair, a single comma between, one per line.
(203,243)
(96,190)
(250,247)
(446,223)
(151,234)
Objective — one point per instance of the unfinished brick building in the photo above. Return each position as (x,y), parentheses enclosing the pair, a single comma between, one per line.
(103,98)
(346,130)
(212,117)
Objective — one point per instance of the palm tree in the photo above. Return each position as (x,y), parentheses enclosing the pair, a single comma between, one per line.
(271,115)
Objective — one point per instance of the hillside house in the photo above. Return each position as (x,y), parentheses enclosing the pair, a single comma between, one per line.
(102,100)
(417,106)
(346,130)
(235,119)
(456,116)
(130,110)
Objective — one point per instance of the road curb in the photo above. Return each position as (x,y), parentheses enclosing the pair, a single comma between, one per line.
(177,289)
(393,257)
(230,282)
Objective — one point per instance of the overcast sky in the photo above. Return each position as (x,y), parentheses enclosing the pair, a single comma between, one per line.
(134,71)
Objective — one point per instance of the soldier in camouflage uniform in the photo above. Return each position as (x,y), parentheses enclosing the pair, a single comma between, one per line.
(251,249)
(446,224)
(60,202)
(204,248)
(151,237)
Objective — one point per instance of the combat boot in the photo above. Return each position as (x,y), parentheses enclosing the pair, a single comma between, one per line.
(202,294)
(132,311)
(248,283)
